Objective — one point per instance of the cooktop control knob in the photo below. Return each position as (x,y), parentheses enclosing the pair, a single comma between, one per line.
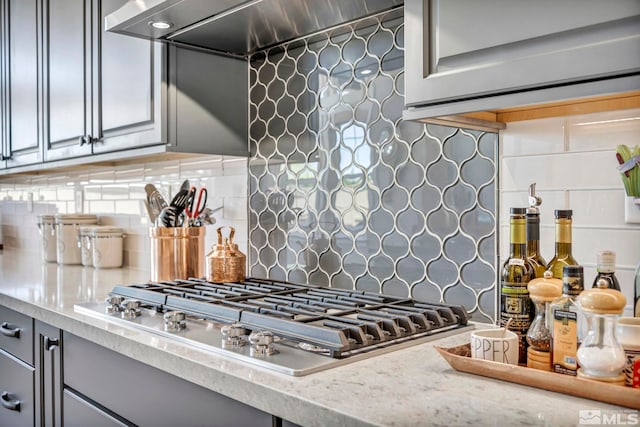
(113,303)
(233,335)
(262,344)
(174,321)
(130,308)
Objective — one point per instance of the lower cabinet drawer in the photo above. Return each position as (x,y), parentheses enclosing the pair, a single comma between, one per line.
(16,334)
(16,392)
(80,413)
(147,396)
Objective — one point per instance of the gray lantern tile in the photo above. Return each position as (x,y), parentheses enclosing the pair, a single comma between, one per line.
(344,193)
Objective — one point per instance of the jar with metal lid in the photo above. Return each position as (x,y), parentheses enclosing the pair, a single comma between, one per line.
(106,244)
(85,245)
(46,225)
(67,228)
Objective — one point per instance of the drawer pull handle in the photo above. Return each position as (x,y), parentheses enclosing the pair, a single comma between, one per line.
(12,405)
(50,343)
(7,331)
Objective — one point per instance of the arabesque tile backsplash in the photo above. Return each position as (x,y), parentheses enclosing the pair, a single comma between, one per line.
(344,193)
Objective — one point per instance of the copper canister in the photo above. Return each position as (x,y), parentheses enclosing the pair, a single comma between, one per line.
(177,252)
(225,263)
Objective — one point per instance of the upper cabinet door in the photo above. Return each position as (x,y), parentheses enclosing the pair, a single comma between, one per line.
(67,51)
(466,49)
(22,125)
(128,88)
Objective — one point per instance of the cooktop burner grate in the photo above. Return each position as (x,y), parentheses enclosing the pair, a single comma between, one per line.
(340,321)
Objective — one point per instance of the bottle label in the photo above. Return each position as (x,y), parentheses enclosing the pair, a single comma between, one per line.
(515,304)
(516,261)
(565,342)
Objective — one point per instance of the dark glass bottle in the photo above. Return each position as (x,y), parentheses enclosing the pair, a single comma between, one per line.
(606,277)
(533,243)
(563,254)
(515,304)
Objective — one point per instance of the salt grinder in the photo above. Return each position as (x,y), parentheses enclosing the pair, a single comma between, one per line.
(601,356)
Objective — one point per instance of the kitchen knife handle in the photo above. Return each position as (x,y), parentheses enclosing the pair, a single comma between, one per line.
(12,405)
(8,331)
(50,343)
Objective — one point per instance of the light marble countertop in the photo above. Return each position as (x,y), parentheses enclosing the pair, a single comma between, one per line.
(408,387)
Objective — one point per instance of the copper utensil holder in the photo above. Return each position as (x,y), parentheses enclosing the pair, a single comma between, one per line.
(177,252)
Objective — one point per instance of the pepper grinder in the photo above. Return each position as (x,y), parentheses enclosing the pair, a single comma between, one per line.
(601,356)
(541,291)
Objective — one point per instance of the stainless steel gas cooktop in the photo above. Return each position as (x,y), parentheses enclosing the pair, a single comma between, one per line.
(290,328)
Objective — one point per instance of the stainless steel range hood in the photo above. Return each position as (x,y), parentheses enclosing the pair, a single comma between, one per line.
(237,26)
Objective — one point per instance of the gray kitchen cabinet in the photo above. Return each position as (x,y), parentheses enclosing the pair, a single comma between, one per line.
(30,371)
(125,389)
(48,371)
(79,412)
(127,92)
(466,55)
(21,105)
(17,407)
(67,82)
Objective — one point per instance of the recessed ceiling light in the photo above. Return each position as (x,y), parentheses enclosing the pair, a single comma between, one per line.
(160,25)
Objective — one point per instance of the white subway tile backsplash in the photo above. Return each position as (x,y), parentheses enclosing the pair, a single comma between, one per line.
(532,137)
(586,174)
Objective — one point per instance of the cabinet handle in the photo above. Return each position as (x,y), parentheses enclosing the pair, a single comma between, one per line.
(12,405)
(92,140)
(82,140)
(50,343)
(3,157)
(7,331)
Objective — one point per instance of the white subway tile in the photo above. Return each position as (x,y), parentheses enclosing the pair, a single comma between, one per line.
(604,131)
(102,207)
(115,192)
(533,137)
(130,207)
(604,208)
(65,193)
(561,171)
(624,242)
(235,208)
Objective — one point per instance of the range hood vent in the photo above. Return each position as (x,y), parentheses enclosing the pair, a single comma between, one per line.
(236,26)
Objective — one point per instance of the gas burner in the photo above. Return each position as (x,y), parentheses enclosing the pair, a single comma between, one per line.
(262,344)
(113,304)
(130,308)
(234,336)
(174,321)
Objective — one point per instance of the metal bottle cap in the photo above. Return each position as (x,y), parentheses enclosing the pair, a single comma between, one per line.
(563,213)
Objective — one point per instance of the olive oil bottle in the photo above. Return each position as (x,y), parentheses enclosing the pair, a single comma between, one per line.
(533,233)
(563,255)
(515,304)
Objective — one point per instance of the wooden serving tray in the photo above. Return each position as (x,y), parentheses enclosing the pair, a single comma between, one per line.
(460,359)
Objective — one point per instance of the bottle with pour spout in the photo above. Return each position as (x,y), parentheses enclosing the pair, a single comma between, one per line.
(225,263)
(533,233)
